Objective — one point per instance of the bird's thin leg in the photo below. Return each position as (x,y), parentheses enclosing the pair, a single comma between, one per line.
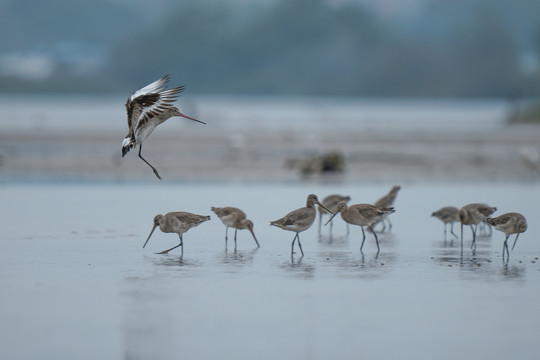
(445,231)
(376,238)
(452,230)
(473,229)
(299,244)
(505,247)
(181,247)
(226,233)
(462,235)
(331,227)
(348,230)
(490,230)
(235,231)
(515,240)
(292,245)
(461,252)
(174,247)
(153,168)
(363,238)
(389,225)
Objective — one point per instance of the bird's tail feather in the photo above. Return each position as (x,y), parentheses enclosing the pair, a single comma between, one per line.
(127,145)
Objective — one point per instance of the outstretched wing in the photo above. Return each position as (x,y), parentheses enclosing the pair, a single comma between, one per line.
(154,87)
(146,107)
(149,102)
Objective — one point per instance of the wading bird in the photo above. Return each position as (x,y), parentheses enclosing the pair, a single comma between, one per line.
(235,218)
(299,220)
(362,215)
(176,222)
(387,201)
(448,215)
(509,223)
(146,109)
(473,214)
(331,202)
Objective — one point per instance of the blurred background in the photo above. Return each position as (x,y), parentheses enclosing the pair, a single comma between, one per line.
(303,68)
(421,48)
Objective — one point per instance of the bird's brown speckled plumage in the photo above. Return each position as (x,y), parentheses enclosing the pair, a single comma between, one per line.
(235,218)
(176,222)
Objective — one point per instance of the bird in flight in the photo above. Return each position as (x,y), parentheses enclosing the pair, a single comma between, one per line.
(147,108)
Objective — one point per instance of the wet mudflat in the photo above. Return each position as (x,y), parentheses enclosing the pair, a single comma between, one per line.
(76,282)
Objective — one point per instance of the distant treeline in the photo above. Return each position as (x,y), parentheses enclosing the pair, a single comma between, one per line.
(450,48)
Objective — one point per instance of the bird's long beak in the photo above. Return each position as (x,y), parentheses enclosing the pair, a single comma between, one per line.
(151,232)
(190,118)
(321,205)
(254,238)
(515,241)
(333,216)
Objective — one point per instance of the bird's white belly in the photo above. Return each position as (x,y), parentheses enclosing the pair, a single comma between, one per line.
(145,131)
(295,228)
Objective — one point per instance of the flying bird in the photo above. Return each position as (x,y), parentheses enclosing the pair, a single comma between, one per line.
(147,108)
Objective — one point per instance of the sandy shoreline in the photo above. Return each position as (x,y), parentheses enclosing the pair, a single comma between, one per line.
(195,154)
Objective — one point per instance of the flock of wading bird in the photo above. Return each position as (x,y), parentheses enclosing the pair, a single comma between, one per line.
(152,105)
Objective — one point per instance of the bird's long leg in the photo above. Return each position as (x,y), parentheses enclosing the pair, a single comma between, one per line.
(153,168)
(389,224)
(235,231)
(452,230)
(300,245)
(490,232)
(461,240)
(363,238)
(181,247)
(515,240)
(383,222)
(445,231)
(174,247)
(481,230)
(473,229)
(292,245)
(462,235)
(505,247)
(376,238)
(226,233)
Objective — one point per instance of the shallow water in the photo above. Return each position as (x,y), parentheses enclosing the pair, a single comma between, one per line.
(76,282)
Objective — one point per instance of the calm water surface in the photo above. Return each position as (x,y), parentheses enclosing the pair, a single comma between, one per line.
(76,282)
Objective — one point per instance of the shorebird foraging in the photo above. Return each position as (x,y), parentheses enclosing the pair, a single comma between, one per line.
(509,223)
(331,202)
(362,215)
(235,218)
(387,201)
(146,109)
(176,222)
(299,220)
(448,215)
(487,211)
(473,214)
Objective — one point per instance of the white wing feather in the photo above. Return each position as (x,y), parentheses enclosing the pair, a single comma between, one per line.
(154,87)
